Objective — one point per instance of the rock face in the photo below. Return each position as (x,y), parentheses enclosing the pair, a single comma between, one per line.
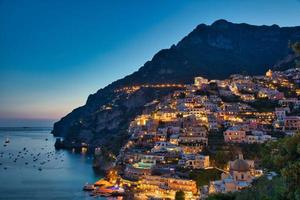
(105,124)
(212,51)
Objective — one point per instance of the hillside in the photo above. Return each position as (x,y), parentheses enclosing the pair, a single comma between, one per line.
(212,51)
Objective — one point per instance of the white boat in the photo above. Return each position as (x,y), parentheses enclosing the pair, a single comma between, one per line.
(7,141)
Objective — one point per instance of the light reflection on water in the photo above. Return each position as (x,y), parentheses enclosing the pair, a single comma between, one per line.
(31,168)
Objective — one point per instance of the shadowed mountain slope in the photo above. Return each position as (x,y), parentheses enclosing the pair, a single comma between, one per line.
(213,51)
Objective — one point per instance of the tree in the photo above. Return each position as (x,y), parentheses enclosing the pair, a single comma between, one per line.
(283,156)
(291,175)
(179,195)
(221,158)
(263,189)
(203,177)
(296,47)
(181,95)
(220,196)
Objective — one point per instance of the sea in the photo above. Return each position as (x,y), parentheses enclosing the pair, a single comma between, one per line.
(31,168)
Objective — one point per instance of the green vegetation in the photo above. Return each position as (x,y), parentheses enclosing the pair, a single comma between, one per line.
(221,153)
(282,156)
(201,92)
(296,47)
(287,92)
(295,112)
(265,189)
(291,177)
(243,91)
(180,195)
(213,86)
(231,99)
(264,105)
(216,139)
(221,158)
(250,151)
(181,95)
(277,155)
(202,177)
(228,196)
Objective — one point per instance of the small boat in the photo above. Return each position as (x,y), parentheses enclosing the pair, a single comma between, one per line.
(89,187)
(7,141)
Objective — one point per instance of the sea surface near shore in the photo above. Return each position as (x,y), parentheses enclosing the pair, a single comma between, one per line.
(31,168)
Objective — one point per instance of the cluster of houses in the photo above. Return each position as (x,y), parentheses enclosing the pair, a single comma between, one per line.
(174,133)
(239,175)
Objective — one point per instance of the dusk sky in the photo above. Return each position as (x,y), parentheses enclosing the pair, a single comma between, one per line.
(53,54)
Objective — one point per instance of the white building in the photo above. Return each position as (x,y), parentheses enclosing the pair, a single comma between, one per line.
(200,81)
(193,161)
(165,147)
(281,113)
(240,175)
(235,134)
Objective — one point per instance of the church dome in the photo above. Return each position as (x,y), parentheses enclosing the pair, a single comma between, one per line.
(240,166)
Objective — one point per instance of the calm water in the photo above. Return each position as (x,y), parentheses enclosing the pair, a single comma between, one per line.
(62,173)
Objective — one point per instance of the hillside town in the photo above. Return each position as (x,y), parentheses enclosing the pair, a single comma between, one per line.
(178,141)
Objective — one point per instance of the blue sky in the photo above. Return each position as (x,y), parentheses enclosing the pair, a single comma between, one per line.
(53,54)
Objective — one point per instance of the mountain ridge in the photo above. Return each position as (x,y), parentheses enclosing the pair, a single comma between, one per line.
(213,51)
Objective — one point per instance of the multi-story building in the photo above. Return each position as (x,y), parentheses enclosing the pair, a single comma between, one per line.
(168,185)
(193,161)
(193,139)
(212,123)
(292,123)
(281,113)
(250,139)
(174,139)
(290,102)
(235,134)
(165,147)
